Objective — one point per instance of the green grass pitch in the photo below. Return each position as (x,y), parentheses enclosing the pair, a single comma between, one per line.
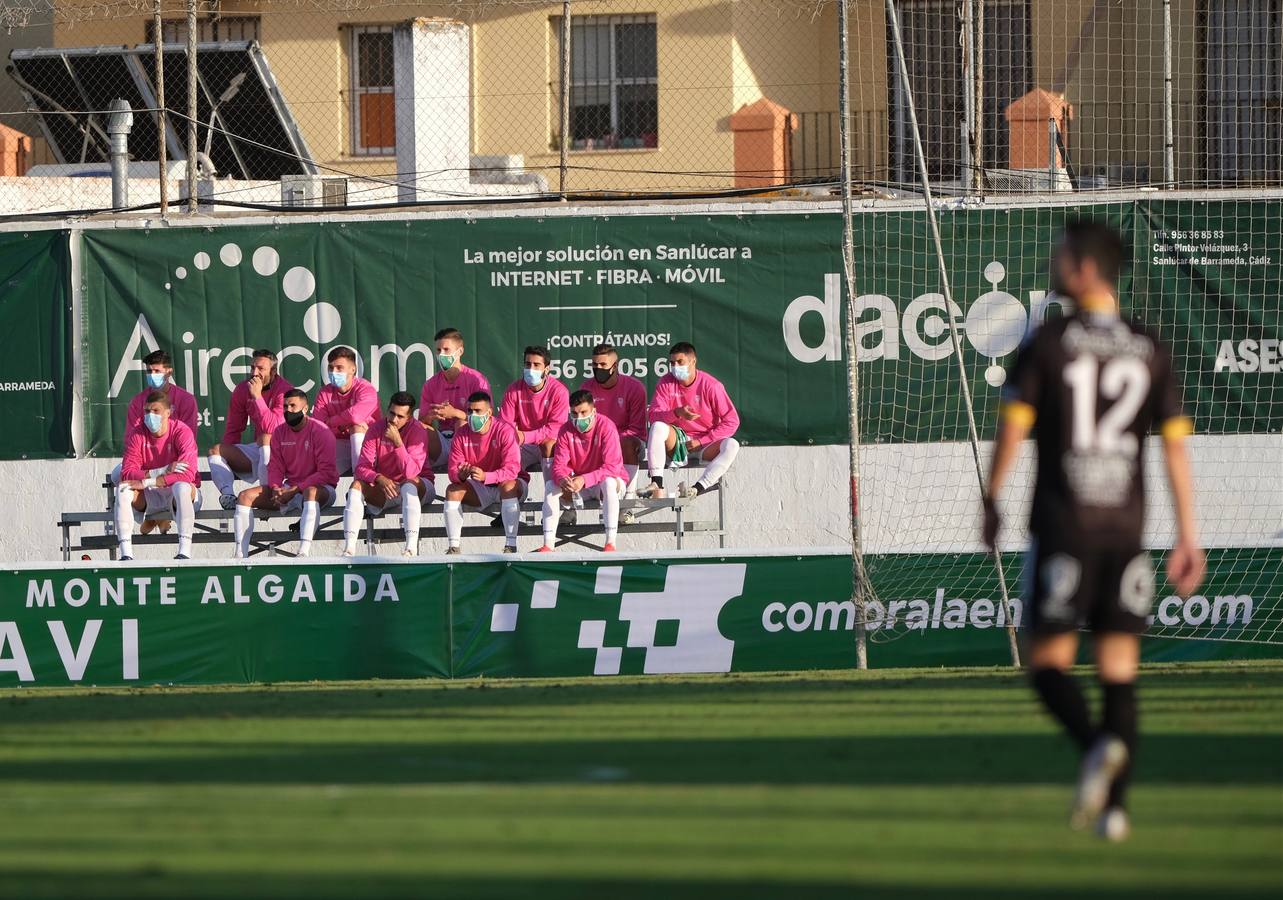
(925,783)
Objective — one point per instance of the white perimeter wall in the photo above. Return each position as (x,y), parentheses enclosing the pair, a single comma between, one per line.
(919,498)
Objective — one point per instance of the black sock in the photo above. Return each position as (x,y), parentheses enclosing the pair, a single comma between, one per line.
(700,487)
(1120,720)
(1064,700)
(659,480)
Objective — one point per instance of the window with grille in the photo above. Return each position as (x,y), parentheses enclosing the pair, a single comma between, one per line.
(614,82)
(209,28)
(373,95)
(1242,70)
(933,54)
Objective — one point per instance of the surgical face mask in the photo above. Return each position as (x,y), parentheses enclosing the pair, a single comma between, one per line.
(153,422)
(585,423)
(532,377)
(446,361)
(293,419)
(477,421)
(681,373)
(603,375)
(155,380)
(338,379)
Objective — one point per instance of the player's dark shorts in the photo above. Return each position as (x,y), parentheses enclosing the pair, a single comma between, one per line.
(1104,590)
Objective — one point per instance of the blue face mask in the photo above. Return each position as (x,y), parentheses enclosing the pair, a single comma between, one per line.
(155,380)
(681,373)
(532,377)
(153,422)
(338,379)
(476,421)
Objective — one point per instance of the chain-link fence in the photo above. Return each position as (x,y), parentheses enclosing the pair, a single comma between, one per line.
(355,102)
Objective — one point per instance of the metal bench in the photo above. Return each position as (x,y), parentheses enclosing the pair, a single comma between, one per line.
(214,526)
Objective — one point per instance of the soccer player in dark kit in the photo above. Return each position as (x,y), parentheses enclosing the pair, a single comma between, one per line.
(1092,385)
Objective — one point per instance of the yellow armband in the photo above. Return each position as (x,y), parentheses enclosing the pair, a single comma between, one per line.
(1018,413)
(1178,427)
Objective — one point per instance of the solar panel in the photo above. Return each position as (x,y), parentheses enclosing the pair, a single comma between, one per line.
(244,123)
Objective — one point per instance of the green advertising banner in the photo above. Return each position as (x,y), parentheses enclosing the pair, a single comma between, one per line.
(760,296)
(35,345)
(503,618)
(222,624)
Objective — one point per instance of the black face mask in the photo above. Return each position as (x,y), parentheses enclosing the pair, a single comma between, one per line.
(294,419)
(604,375)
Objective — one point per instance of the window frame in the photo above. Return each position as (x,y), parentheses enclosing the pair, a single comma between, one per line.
(211,23)
(356,91)
(613,82)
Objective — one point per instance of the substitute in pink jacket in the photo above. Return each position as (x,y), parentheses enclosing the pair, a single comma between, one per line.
(624,404)
(697,403)
(303,458)
(593,455)
(379,456)
(182,406)
(145,452)
(718,418)
(264,412)
(341,410)
(440,389)
(495,452)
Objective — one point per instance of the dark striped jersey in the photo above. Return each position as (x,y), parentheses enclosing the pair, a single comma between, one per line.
(1093,386)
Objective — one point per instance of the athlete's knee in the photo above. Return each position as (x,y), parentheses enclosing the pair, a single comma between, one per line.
(510,489)
(216,450)
(360,429)
(456,492)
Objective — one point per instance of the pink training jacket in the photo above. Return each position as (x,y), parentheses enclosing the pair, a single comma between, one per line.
(439,389)
(182,408)
(379,456)
(593,454)
(145,451)
(303,458)
(496,452)
(539,414)
(266,412)
(718,418)
(624,404)
(340,411)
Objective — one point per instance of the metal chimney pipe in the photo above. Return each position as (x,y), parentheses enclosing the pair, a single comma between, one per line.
(119,123)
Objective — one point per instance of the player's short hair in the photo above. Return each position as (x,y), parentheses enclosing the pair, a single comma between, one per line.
(682,347)
(582,396)
(1091,239)
(159,397)
(402,398)
(604,348)
(342,353)
(480,397)
(269,355)
(158,358)
(541,352)
(295,392)
(448,334)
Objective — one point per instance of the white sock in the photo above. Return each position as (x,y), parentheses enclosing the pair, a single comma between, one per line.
(355,440)
(717,468)
(222,475)
(510,510)
(307,526)
(243,527)
(551,516)
(411,512)
(185,514)
(453,522)
(353,513)
(264,457)
(610,489)
(632,476)
(125,520)
(545,466)
(656,455)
